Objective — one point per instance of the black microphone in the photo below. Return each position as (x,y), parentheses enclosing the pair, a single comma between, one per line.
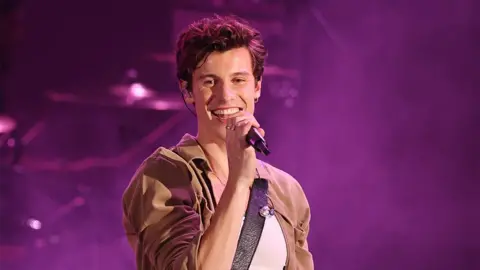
(255,139)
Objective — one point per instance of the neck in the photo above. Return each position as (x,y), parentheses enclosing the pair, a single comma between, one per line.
(216,152)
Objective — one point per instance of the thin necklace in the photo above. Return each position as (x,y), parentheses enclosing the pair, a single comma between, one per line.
(219,179)
(211,163)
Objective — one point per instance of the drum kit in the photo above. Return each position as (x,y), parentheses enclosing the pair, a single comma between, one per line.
(131,92)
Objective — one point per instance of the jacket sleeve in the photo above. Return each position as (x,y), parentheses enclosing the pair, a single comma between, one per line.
(304,256)
(159,217)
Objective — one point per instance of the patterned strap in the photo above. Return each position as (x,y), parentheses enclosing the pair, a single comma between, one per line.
(252,226)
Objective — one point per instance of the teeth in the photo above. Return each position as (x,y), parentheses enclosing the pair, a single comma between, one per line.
(226,111)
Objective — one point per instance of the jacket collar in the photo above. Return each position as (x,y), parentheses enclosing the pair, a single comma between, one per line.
(189,149)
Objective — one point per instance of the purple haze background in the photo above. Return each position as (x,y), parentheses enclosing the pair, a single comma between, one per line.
(384,135)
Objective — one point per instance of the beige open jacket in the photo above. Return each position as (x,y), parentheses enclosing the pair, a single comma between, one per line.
(167,206)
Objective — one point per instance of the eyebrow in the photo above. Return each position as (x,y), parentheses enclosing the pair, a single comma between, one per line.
(241,73)
(211,75)
(207,75)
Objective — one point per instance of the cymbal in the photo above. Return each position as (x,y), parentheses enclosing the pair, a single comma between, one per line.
(122,96)
(7,123)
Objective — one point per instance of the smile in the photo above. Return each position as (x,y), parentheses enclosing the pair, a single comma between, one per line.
(226,113)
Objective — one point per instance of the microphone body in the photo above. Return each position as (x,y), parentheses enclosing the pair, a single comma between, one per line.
(256,140)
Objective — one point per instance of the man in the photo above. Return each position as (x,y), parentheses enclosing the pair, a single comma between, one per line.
(184,207)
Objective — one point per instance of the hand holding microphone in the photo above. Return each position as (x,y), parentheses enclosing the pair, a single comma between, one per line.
(256,140)
(244,131)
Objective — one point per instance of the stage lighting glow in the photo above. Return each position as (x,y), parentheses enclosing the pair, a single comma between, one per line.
(35,224)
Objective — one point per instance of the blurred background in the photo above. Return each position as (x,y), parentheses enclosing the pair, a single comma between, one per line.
(372,105)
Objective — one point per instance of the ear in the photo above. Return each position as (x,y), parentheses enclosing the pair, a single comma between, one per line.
(187,95)
(258,89)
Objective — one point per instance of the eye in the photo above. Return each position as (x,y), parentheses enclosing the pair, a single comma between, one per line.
(239,80)
(208,82)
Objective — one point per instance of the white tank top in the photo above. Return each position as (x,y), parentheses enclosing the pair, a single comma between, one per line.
(271,253)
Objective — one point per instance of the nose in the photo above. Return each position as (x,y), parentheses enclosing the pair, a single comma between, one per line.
(226,93)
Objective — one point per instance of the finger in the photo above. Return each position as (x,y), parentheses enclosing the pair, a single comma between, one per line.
(233,122)
(241,122)
(247,117)
(252,119)
(261,131)
(243,127)
(238,119)
(255,122)
(230,122)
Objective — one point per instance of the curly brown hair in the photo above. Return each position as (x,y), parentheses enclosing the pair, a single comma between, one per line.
(219,33)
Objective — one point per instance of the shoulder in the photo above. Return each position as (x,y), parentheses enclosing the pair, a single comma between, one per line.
(289,197)
(160,186)
(162,172)
(284,180)
(287,189)
(164,164)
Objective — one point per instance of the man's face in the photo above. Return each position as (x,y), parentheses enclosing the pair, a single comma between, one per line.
(223,87)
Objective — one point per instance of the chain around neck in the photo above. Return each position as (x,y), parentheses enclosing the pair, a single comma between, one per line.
(211,163)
